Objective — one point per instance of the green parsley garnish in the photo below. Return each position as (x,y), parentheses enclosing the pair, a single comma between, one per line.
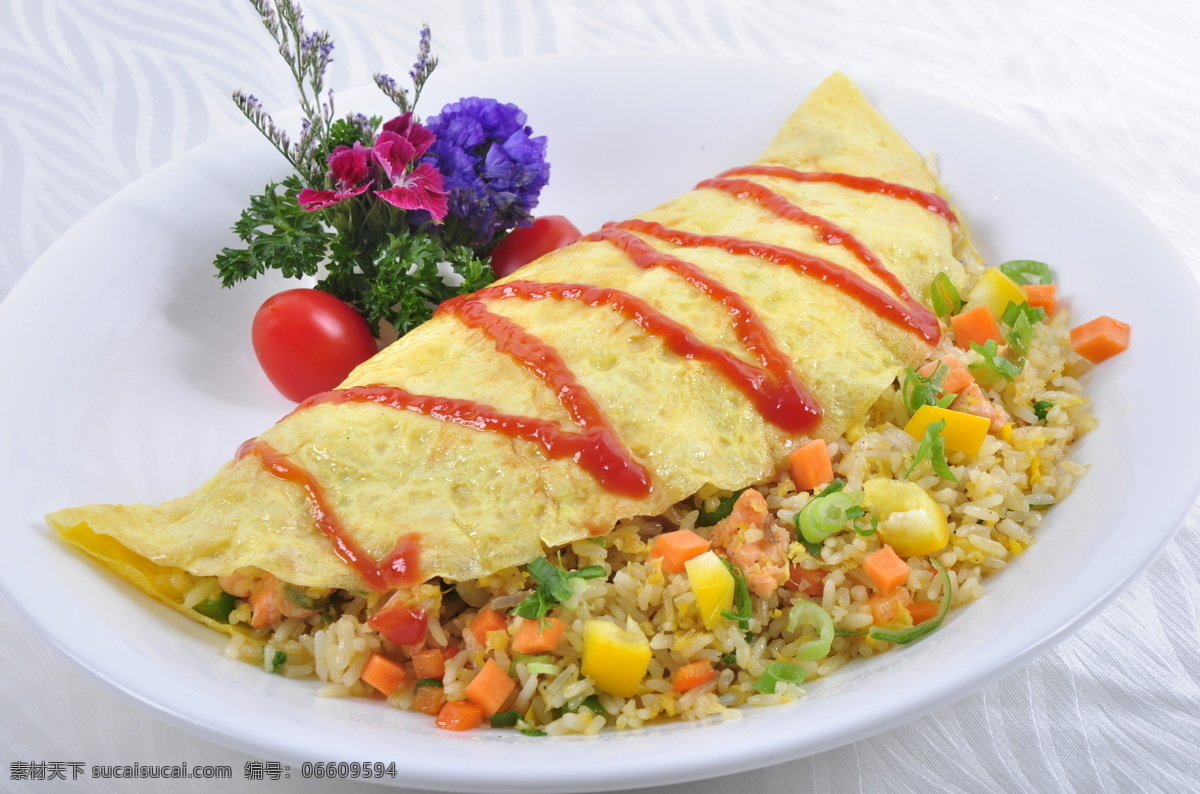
(933,449)
(1041,408)
(1028,271)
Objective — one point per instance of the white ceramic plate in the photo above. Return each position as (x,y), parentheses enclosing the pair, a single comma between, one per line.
(129,377)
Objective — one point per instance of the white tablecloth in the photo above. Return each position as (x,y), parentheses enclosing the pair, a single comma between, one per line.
(96,93)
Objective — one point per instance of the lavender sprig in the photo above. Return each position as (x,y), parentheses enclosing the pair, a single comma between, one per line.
(420,72)
(308,56)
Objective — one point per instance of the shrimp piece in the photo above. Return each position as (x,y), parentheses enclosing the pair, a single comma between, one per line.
(972,400)
(749,539)
(265,594)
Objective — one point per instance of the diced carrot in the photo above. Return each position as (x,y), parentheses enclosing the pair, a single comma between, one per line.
(459,715)
(676,548)
(490,687)
(922,611)
(811,583)
(383,674)
(429,700)
(885,607)
(977,325)
(693,675)
(1100,339)
(810,465)
(486,620)
(429,663)
(886,569)
(1044,295)
(958,377)
(450,651)
(535,637)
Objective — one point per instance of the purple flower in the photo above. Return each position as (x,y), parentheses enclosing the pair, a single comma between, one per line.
(349,168)
(494,168)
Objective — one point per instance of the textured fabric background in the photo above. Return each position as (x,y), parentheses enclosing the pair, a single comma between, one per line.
(96,93)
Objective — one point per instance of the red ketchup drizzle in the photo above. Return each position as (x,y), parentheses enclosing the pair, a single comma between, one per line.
(400,568)
(827,231)
(914,318)
(772,387)
(597,449)
(867,184)
(781,400)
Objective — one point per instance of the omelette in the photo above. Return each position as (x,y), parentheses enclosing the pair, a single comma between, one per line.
(688,349)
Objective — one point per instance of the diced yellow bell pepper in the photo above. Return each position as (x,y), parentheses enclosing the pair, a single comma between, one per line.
(962,433)
(995,290)
(909,520)
(615,658)
(713,586)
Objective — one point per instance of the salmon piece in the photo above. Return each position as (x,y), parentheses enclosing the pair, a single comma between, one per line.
(265,594)
(974,401)
(763,558)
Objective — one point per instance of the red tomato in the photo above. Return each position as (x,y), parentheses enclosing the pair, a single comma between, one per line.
(401,625)
(307,341)
(526,243)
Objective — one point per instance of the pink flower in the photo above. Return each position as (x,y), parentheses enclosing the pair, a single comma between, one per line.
(404,126)
(349,169)
(420,189)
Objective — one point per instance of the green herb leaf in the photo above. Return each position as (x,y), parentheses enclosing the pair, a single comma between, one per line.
(278,235)
(1028,271)
(553,587)
(933,449)
(1041,408)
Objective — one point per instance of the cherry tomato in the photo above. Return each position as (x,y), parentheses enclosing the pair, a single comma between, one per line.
(307,341)
(526,243)
(401,625)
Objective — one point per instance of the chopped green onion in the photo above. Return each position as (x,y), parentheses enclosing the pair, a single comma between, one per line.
(933,449)
(277,660)
(724,508)
(776,672)
(535,606)
(506,719)
(944,296)
(742,606)
(905,636)
(827,514)
(1020,317)
(993,365)
(533,732)
(601,541)
(428,682)
(806,613)
(551,577)
(298,597)
(1041,409)
(541,668)
(814,549)
(588,572)
(592,702)
(1028,271)
(849,632)
(917,390)
(217,609)
(729,658)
